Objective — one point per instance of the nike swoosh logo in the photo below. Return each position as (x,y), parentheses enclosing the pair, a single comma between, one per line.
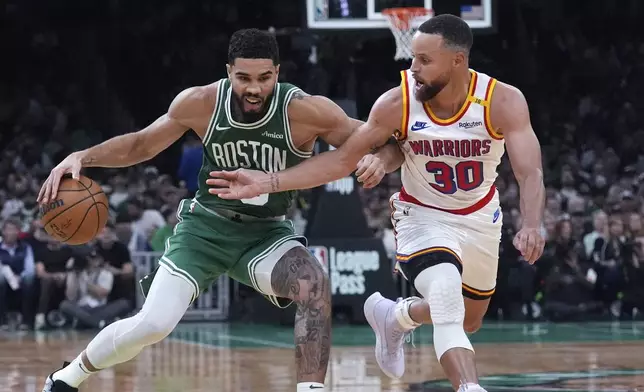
(417,128)
(220,128)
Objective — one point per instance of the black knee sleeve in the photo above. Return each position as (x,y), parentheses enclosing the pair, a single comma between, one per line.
(414,266)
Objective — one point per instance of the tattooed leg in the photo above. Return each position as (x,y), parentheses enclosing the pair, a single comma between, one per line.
(300,277)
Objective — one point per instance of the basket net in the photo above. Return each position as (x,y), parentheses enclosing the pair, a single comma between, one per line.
(403,23)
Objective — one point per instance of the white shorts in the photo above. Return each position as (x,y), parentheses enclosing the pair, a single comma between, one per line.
(474,239)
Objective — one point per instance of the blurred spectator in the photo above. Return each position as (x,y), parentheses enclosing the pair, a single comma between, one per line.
(569,288)
(600,230)
(609,257)
(142,222)
(157,243)
(87,292)
(53,259)
(17,271)
(118,262)
(191,158)
(564,239)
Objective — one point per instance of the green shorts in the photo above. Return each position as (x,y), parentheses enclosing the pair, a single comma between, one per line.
(206,245)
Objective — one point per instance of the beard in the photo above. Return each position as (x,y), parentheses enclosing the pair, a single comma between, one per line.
(249,112)
(426,91)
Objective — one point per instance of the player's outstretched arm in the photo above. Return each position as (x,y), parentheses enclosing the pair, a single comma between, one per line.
(326,167)
(509,112)
(131,148)
(373,167)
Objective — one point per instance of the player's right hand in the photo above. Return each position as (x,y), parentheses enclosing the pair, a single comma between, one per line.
(72,164)
(370,171)
(238,184)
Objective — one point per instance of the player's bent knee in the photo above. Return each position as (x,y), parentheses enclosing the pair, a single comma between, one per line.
(441,286)
(295,274)
(152,326)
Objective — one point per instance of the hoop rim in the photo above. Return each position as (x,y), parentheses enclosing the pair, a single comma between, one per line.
(400,16)
(404,11)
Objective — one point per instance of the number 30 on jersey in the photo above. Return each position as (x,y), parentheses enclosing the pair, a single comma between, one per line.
(465,176)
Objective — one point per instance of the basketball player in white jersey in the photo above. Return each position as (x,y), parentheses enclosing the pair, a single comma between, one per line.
(452,125)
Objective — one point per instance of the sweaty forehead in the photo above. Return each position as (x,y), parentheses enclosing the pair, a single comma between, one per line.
(427,44)
(253,66)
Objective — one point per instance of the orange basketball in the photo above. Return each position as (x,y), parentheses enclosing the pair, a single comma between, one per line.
(79,212)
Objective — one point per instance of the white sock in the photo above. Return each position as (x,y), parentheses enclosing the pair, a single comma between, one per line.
(470,387)
(74,373)
(402,313)
(310,387)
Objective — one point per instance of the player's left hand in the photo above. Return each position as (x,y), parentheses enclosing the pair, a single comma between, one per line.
(370,171)
(530,243)
(237,184)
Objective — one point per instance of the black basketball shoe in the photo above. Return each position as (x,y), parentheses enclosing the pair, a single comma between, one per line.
(57,386)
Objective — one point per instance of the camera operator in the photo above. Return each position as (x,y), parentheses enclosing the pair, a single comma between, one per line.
(569,287)
(88,288)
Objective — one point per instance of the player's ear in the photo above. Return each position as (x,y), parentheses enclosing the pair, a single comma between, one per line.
(459,59)
(229,71)
(277,72)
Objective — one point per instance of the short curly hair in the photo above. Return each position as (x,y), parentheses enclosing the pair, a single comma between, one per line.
(253,44)
(455,31)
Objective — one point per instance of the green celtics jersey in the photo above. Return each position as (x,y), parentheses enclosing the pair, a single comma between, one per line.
(264,145)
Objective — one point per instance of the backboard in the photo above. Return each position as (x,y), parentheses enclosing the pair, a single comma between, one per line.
(366,14)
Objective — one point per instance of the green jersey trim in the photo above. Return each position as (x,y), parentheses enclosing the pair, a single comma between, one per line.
(215,115)
(257,124)
(287,126)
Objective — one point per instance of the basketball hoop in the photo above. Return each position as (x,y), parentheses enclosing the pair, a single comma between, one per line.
(403,23)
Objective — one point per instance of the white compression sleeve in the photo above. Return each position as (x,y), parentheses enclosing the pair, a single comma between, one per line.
(441,286)
(166,303)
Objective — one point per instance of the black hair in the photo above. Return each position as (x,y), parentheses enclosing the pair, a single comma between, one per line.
(253,44)
(455,31)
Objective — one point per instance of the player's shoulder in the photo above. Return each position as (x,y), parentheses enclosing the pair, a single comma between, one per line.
(390,100)
(315,110)
(505,93)
(194,101)
(388,108)
(508,106)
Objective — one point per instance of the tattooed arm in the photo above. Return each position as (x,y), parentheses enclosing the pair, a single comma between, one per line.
(300,277)
(319,117)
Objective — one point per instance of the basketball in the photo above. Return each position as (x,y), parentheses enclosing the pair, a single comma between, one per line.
(79,212)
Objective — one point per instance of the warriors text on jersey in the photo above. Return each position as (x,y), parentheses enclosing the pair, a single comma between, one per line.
(450,164)
(264,145)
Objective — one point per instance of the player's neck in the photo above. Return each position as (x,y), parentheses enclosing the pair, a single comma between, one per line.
(453,96)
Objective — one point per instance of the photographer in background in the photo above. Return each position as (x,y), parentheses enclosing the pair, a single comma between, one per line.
(569,287)
(88,288)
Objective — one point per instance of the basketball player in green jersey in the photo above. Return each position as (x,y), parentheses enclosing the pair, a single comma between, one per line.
(248,120)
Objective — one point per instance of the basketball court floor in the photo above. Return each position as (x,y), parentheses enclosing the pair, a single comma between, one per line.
(606,357)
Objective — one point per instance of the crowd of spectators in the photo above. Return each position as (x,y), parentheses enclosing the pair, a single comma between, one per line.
(66,89)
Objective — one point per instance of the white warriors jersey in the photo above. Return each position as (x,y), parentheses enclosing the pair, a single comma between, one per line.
(450,164)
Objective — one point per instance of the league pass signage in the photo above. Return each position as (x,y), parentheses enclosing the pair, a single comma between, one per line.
(604,380)
(357,268)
